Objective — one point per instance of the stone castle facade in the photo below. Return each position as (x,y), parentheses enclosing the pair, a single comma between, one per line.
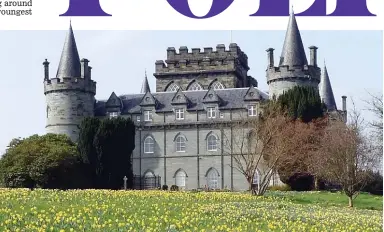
(180,137)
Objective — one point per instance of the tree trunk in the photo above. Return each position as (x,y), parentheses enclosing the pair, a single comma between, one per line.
(316,187)
(350,199)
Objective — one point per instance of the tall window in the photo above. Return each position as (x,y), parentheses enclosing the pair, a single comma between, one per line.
(179,114)
(172,88)
(217,85)
(212,142)
(195,86)
(180,144)
(211,111)
(148,115)
(252,110)
(149,145)
(213,179)
(113,114)
(181,178)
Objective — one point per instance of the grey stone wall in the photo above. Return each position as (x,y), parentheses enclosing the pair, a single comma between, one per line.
(68,102)
(283,78)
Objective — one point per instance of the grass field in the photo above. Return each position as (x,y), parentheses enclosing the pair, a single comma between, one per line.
(91,210)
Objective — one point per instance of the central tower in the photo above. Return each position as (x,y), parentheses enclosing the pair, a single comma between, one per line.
(71,95)
(198,70)
(293,69)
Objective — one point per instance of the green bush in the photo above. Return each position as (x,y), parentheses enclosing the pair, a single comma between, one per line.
(165,187)
(48,161)
(174,188)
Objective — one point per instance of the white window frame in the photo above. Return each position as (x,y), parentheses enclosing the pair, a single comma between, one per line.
(221,115)
(148,115)
(181,179)
(179,113)
(195,87)
(172,88)
(113,114)
(211,112)
(252,110)
(217,85)
(138,118)
(180,144)
(212,147)
(213,179)
(149,145)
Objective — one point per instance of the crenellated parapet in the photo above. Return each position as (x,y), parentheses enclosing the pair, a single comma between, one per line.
(306,72)
(184,60)
(69,84)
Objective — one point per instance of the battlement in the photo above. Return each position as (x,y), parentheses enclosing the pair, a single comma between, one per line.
(69,83)
(208,59)
(293,72)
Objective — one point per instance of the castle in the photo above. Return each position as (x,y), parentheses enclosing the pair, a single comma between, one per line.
(178,137)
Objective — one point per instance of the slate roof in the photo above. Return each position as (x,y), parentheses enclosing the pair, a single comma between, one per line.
(326,92)
(229,99)
(293,53)
(69,65)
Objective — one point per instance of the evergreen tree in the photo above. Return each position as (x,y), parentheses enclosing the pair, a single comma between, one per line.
(87,151)
(114,142)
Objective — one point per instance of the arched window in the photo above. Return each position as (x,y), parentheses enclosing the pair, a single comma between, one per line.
(213,179)
(149,145)
(195,86)
(217,85)
(180,178)
(180,143)
(172,88)
(212,143)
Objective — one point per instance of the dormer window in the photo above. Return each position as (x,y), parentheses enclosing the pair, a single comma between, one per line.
(252,112)
(211,112)
(113,114)
(179,114)
(147,116)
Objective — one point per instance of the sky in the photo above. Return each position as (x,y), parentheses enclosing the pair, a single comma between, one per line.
(119,60)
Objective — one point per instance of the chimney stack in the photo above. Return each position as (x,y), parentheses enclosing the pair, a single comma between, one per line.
(46,69)
(313,56)
(344,103)
(271,59)
(84,69)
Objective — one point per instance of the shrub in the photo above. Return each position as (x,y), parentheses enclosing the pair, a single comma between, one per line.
(374,184)
(301,182)
(283,187)
(174,188)
(165,187)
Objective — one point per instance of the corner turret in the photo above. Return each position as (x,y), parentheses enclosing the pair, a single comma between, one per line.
(70,96)
(326,92)
(293,69)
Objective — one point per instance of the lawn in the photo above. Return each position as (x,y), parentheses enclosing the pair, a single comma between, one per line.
(101,210)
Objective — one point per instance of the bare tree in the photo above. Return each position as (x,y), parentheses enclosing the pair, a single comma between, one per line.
(375,105)
(262,144)
(345,155)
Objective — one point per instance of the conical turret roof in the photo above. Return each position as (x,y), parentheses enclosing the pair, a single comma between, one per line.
(293,52)
(326,92)
(69,65)
(145,87)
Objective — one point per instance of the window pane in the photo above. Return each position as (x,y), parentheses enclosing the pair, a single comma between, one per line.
(213,179)
(180,179)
